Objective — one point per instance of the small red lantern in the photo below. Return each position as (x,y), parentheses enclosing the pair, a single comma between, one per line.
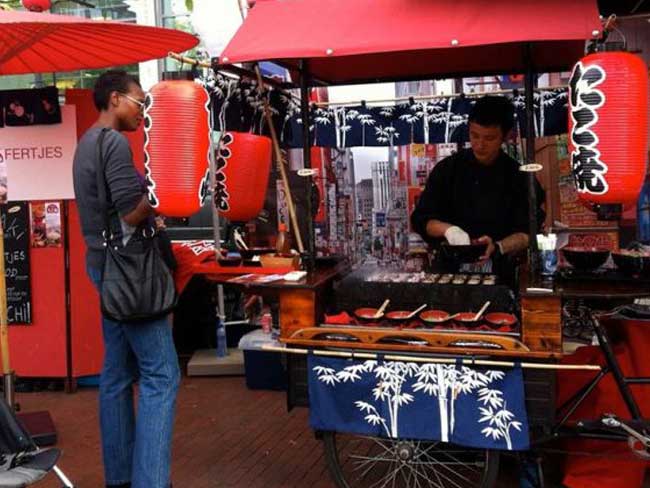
(608,127)
(242,177)
(177,146)
(37,5)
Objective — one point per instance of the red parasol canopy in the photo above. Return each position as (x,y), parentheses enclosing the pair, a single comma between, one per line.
(350,41)
(42,43)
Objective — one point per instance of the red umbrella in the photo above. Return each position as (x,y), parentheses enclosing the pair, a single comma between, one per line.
(43,43)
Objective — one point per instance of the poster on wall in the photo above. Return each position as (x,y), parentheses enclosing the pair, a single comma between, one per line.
(45,219)
(15,222)
(38,159)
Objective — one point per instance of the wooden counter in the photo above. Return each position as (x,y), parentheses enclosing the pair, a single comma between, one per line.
(541,304)
(301,302)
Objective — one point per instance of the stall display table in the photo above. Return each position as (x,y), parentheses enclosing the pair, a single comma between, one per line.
(300,305)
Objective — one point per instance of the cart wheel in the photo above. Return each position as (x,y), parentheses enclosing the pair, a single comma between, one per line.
(356,461)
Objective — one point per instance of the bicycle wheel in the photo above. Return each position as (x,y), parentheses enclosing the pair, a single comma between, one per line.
(356,461)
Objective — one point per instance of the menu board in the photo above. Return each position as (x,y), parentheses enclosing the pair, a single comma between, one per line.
(15,222)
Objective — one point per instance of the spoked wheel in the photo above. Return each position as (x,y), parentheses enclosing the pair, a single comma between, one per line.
(356,461)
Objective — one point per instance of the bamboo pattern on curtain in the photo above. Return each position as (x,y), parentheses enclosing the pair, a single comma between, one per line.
(447,402)
(238,107)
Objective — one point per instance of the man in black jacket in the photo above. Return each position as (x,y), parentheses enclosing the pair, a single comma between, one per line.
(479,194)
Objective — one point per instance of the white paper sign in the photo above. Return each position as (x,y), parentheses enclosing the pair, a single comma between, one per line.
(39,159)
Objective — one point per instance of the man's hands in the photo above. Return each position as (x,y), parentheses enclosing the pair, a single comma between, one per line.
(489,250)
(456,236)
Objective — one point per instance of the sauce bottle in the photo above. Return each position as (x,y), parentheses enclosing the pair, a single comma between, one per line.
(282,244)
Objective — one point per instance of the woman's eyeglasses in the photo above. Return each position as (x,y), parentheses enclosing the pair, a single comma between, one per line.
(140,104)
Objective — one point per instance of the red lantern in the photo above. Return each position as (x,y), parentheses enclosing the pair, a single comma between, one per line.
(243,167)
(37,5)
(177,147)
(608,127)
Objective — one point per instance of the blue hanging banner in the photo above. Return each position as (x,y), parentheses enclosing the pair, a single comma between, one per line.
(238,106)
(420,401)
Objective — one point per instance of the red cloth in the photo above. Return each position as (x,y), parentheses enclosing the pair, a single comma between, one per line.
(621,470)
(348,40)
(188,255)
(341,319)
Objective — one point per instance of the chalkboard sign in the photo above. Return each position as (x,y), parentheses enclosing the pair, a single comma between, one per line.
(15,222)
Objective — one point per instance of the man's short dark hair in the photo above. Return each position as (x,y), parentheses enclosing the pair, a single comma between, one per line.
(108,82)
(492,110)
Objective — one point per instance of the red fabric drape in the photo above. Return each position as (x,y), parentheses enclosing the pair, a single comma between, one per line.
(618,469)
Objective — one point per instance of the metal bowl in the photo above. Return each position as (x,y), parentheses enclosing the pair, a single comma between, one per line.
(632,264)
(585,258)
(469,253)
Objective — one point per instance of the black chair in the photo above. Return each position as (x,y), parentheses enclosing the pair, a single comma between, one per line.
(22,463)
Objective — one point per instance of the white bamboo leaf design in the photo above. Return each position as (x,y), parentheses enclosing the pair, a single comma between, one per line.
(444,382)
(373,419)
(346,376)
(494,433)
(364,407)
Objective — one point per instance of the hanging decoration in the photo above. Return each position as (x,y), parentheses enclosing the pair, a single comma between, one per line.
(243,168)
(608,127)
(238,107)
(177,146)
(37,5)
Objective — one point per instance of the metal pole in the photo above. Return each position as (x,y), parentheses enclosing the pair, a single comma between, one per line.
(7,373)
(306,148)
(216,224)
(533,257)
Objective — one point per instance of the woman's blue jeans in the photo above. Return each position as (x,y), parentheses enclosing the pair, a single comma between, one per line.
(137,449)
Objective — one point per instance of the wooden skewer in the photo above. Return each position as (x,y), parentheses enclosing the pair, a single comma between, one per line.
(280,161)
(421,359)
(480,312)
(412,314)
(381,309)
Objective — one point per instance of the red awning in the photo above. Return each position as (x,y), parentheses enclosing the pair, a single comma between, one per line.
(42,43)
(351,41)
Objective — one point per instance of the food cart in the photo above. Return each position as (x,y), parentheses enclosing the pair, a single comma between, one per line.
(317,314)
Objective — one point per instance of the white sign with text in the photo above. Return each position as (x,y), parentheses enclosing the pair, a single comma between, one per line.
(38,159)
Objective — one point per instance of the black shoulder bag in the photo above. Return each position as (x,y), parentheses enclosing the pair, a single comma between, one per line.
(137,285)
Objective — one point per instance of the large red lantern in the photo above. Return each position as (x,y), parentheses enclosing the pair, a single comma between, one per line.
(177,146)
(243,167)
(608,127)
(37,5)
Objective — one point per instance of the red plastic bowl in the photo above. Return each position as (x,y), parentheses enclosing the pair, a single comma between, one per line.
(366,313)
(398,315)
(466,318)
(434,316)
(500,319)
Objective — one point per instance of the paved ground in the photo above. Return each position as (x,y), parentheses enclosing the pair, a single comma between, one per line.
(225,436)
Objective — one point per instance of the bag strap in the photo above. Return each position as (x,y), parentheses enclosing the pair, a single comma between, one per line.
(101,184)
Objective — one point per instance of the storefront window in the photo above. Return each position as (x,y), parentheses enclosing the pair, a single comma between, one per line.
(176,14)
